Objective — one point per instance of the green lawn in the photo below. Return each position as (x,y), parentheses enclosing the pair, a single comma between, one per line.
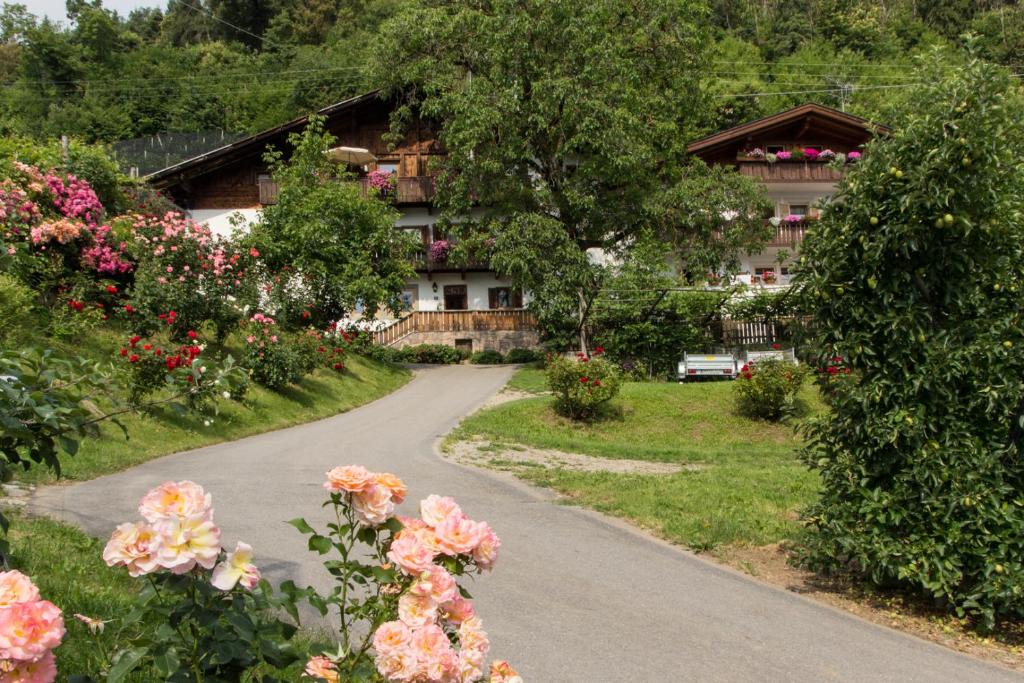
(319,395)
(530,379)
(747,488)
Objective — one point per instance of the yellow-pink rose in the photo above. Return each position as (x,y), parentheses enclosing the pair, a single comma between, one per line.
(416,611)
(502,672)
(391,636)
(322,668)
(485,554)
(134,546)
(184,543)
(348,478)
(236,568)
(458,610)
(435,509)
(458,534)
(42,670)
(393,484)
(411,555)
(373,505)
(29,630)
(16,588)
(175,499)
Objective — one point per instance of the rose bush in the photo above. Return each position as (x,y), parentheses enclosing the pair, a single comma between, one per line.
(403,616)
(30,629)
(767,389)
(204,613)
(272,361)
(582,385)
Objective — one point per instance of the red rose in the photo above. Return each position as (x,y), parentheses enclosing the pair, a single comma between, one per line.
(158,352)
(134,340)
(147,347)
(134,358)
(584,380)
(253,252)
(192,334)
(597,382)
(305,315)
(128,308)
(598,350)
(124,352)
(111,289)
(338,366)
(584,359)
(776,346)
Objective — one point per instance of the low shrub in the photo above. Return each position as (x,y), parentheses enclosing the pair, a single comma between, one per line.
(832,376)
(437,354)
(523,356)
(271,360)
(767,389)
(582,385)
(16,301)
(487,357)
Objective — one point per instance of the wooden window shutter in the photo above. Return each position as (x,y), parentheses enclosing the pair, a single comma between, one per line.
(492,297)
(517,298)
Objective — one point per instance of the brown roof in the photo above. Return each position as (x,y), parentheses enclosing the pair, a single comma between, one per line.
(247,147)
(830,119)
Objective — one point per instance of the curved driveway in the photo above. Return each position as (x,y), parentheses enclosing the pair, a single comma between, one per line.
(575,597)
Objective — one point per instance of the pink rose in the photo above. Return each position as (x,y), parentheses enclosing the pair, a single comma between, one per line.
(434,509)
(472,636)
(485,554)
(42,670)
(186,542)
(29,630)
(458,610)
(437,583)
(391,636)
(411,554)
(16,588)
(236,568)
(392,483)
(398,665)
(416,611)
(321,667)
(458,534)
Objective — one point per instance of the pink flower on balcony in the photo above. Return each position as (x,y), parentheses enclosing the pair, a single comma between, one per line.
(439,251)
(811,153)
(793,218)
(853,156)
(382,181)
(784,155)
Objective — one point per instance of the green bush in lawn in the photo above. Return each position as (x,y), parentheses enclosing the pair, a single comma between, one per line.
(582,385)
(523,356)
(916,277)
(767,389)
(487,357)
(16,301)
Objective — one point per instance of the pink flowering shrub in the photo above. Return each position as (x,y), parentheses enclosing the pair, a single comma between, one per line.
(768,389)
(269,355)
(439,251)
(219,608)
(30,629)
(382,182)
(583,385)
(402,613)
(183,267)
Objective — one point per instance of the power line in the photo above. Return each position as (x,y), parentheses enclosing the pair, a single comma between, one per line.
(148,79)
(228,23)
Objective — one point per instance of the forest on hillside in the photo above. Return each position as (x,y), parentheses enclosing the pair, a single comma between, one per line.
(243,65)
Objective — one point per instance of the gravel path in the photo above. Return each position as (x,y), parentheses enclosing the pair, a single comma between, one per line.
(576,597)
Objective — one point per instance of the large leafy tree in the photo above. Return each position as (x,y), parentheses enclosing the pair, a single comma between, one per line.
(565,125)
(327,247)
(915,277)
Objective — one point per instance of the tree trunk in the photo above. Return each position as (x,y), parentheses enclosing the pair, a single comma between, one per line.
(583,310)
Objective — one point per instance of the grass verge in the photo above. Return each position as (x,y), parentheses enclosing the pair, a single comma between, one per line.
(744,485)
(319,395)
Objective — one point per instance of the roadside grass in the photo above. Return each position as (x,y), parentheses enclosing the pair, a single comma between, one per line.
(317,396)
(743,485)
(66,565)
(529,379)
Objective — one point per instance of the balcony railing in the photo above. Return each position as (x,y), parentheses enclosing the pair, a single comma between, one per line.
(790,171)
(788,234)
(408,190)
(423,261)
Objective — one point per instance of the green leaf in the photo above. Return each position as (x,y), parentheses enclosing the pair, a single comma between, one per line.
(301,524)
(125,663)
(321,544)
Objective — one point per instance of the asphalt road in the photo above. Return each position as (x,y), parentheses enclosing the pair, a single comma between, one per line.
(575,597)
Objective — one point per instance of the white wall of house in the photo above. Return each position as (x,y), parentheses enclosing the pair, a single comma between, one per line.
(219,220)
(477,286)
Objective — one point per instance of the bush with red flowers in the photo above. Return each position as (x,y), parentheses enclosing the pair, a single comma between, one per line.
(318,350)
(155,363)
(833,373)
(768,389)
(582,385)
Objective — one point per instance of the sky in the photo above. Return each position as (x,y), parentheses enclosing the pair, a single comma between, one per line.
(55,8)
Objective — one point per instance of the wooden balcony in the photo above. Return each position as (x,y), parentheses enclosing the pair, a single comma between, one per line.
(788,235)
(790,171)
(424,263)
(501,320)
(408,190)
